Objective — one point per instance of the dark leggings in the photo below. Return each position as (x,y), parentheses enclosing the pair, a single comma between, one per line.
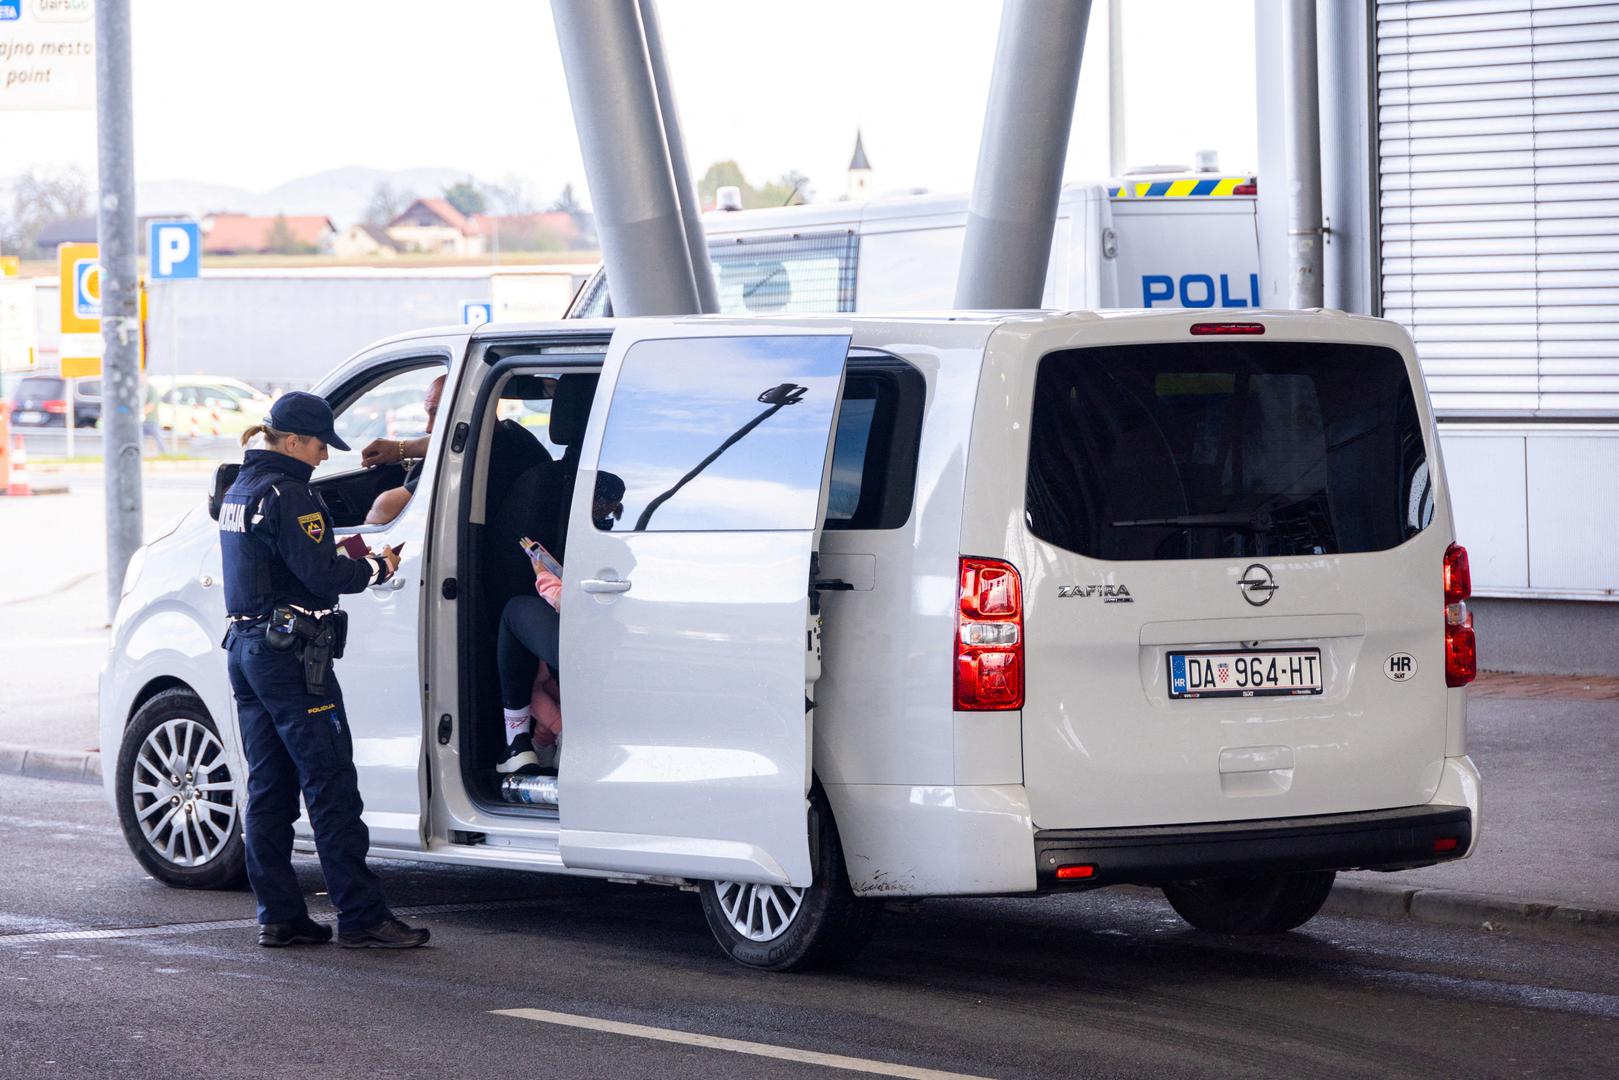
(528,634)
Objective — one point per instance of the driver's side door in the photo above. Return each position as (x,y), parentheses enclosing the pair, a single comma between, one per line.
(380,672)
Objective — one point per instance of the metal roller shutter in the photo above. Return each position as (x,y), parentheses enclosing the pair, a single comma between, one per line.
(1498,139)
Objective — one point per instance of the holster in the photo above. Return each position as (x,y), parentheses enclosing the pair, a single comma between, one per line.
(318,641)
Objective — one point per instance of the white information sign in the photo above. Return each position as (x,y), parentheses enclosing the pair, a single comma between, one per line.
(47,54)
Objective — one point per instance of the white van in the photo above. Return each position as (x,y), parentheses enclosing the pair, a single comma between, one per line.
(1158,241)
(895,607)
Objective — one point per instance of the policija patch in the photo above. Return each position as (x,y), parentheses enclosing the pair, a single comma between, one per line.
(313,525)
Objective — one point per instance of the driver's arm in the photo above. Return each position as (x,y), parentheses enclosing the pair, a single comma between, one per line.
(391,451)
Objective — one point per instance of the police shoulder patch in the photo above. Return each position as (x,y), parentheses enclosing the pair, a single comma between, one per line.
(313,525)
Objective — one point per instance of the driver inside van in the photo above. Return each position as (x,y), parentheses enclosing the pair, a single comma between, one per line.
(379,452)
(529,647)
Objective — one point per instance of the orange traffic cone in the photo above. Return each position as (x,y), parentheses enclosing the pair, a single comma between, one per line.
(18,484)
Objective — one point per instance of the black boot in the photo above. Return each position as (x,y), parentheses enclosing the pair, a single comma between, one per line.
(300,931)
(387,934)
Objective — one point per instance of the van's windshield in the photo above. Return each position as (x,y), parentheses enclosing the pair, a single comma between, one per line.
(1226,449)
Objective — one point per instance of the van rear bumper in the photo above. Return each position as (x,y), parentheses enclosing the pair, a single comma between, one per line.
(1374,840)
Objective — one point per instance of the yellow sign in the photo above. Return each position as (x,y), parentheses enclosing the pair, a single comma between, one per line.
(80,271)
(10,265)
(81,367)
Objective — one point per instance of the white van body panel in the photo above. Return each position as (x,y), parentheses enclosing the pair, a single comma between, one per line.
(1104,745)
(690,754)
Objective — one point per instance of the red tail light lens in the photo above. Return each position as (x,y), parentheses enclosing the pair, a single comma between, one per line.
(1226,329)
(1458,578)
(56,406)
(989,637)
(1461,645)
(1250,188)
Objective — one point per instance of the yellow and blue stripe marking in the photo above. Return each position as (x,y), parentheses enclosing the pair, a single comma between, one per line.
(1178,189)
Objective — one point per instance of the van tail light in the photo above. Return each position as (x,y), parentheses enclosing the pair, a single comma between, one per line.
(1461,647)
(1226,329)
(55,406)
(989,637)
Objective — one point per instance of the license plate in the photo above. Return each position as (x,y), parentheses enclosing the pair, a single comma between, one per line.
(1259,673)
(30,417)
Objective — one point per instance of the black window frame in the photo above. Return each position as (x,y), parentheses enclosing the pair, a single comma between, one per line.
(888,476)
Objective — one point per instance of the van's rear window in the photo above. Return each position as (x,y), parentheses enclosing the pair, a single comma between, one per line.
(1227,448)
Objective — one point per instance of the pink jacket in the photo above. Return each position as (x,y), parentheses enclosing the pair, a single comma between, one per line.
(549,586)
(545,706)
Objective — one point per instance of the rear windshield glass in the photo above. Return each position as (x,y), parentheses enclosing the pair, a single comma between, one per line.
(1222,449)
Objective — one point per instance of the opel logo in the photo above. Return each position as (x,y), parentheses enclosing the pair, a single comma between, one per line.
(1258,584)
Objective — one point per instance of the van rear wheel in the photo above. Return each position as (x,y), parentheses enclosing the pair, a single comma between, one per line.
(1258,905)
(783,928)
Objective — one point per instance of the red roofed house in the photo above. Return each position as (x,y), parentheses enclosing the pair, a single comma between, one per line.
(244,234)
(436,227)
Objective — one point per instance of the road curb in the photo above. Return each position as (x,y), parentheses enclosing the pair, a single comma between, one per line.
(1547,919)
(81,766)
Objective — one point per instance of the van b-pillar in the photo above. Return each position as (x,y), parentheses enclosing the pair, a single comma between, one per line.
(1013,209)
(648,224)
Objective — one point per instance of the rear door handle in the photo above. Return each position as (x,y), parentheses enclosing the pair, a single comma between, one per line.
(393,584)
(604,585)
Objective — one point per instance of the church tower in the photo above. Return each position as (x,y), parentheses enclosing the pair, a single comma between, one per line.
(859,183)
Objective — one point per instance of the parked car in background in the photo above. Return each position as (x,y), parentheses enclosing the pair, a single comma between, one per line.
(41,401)
(206,405)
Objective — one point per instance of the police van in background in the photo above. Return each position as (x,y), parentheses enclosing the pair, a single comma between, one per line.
(1160,237)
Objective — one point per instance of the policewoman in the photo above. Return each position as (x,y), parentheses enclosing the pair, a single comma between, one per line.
(283,574)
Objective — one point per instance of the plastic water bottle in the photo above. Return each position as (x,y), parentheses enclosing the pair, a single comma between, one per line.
(530,790)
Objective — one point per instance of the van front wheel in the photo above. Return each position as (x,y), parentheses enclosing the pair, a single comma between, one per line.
(782,928)
(1258,905)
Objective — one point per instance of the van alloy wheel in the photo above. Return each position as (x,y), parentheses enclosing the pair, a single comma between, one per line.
(759,912)
(179,797)
(183,794)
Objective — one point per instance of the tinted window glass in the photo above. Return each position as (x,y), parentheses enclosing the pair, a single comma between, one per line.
(874,453)
(722,434)
(1226,449)
(849,451)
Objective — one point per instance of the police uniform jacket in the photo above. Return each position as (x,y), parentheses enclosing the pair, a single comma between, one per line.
(276,542)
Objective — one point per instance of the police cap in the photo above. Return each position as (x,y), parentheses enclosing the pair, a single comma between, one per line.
(298,413)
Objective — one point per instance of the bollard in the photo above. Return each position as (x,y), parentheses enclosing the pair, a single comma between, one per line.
(5,445)
(17,484)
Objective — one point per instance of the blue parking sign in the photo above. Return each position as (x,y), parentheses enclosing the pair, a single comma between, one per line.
(476,312)
(173,250)
(10,10)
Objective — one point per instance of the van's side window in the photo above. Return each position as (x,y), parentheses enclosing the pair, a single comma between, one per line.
(722,434)
(874,455)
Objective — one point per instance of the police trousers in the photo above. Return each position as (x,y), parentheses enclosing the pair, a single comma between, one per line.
(296,741)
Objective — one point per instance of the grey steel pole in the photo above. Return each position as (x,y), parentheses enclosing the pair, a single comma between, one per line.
(1302,109)
(120,301)
(685,191)
(1013,209)
(1115,88)
(621,134)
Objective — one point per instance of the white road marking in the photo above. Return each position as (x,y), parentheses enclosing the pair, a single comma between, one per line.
(735,1046)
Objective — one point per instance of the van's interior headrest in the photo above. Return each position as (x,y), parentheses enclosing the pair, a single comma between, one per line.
(528,387)
(570,409)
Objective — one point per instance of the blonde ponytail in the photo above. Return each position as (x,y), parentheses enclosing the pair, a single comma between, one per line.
(271,435)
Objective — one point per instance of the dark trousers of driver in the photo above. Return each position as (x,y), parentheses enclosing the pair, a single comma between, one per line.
(297,741)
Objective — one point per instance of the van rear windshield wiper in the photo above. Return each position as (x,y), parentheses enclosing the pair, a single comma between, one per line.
(1262,519)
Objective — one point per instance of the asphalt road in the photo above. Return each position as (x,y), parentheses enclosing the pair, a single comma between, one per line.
(104,972)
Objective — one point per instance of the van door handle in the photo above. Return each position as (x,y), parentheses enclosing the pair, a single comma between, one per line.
(393,584)
(604,585)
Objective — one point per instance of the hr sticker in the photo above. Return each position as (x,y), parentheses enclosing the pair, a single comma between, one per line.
(1400,667)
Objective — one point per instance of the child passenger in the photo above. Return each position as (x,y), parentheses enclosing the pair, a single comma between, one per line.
(528,650)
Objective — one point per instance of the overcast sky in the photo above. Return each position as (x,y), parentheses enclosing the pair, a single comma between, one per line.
(257,94)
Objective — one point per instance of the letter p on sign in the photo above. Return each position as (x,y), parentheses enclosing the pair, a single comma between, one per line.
(173,249)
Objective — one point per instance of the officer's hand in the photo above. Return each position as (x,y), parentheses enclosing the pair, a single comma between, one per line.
(390,557)
(380,452)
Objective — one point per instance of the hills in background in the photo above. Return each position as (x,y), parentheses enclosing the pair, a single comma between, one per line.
(341,194)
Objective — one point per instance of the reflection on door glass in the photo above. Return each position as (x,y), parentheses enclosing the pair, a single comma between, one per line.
(394,408)
(723,434)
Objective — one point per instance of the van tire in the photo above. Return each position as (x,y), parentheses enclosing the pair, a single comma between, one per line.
(226,868)
(831,926)
(1259,905)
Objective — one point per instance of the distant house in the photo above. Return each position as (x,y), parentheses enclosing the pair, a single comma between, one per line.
(244,234)
(550,231)
(365,242)
(78,230)
(434,226)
